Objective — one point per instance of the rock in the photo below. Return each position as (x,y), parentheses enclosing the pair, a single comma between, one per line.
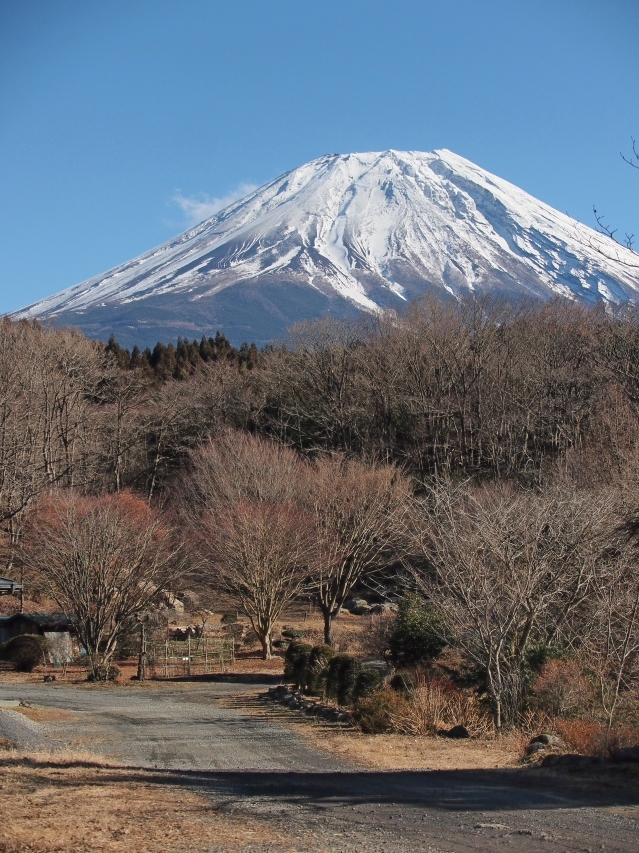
(628,753)
(548,739)
(458,732)
(353,605)
(344,717)
(360,607)
(191,598)
(332,715)
(386,607)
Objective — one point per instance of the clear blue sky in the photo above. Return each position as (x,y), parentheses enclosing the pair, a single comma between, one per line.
(122,120)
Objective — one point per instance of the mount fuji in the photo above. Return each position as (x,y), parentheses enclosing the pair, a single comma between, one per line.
(346,234)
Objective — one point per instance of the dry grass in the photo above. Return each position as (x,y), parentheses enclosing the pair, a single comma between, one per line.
(44,715)
(406,752)
(74,803)
(381,751)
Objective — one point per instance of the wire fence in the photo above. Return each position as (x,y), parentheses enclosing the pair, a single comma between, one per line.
(193,656)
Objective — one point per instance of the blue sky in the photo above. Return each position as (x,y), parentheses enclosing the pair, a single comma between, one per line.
(121,122)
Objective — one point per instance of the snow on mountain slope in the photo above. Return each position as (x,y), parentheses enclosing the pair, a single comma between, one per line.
(347,233)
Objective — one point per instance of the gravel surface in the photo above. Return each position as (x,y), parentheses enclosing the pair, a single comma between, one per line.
(169,726)
(251,766)
(22,732)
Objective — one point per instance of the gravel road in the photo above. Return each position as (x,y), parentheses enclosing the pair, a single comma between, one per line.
(251,765)
(168,726)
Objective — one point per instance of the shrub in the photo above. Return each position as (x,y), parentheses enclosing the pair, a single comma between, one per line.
(376,714)
(25,652)
(418,635)
(593,738)
(295,663)
(369,681)
(317,668)
(404,681)
(348,675)
(436,705)
(376,640)
(294,634)
(107,672)
(341,678)
(561,689)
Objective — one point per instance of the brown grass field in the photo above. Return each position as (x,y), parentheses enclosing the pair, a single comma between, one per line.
(73,803)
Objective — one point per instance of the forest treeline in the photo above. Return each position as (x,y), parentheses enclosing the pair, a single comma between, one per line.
(477,389)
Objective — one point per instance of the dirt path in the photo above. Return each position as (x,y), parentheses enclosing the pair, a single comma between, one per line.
(253,769)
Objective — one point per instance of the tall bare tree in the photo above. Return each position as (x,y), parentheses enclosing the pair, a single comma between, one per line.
(254,540)
(357,510)
(103,560)
(261,555)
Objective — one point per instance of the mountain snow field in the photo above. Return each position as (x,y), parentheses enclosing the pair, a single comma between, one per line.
(345,234)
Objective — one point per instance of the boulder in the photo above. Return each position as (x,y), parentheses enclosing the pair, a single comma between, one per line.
(344,717)
(535,748)
(332,715)
(386,607)
(548,739)
(458,732)
(354,603)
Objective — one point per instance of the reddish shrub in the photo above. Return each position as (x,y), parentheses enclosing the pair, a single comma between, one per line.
(590,738)
(561,689)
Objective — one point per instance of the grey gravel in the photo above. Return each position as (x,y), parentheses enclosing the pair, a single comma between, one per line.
(21,731)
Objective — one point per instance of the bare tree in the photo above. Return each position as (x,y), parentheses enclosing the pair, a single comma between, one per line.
(103,560)
(255,541)
(260,553)
(608,640)
(357,510)
(47,383)
(507,568)
(629,239)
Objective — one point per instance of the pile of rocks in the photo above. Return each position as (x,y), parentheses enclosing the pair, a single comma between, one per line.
(543,744)
(550,750)
(296,701)
(361,607)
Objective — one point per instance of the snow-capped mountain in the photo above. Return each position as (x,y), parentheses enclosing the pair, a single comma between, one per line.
(344,234)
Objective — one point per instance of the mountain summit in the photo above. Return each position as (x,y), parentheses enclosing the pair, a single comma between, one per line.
(341,235)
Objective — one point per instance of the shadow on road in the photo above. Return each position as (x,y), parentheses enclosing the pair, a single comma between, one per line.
(470,790)
(226,678)
(446,790)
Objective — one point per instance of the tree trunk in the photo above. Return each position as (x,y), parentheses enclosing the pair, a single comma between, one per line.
(267,649)
(328,628)
(142,656)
